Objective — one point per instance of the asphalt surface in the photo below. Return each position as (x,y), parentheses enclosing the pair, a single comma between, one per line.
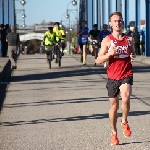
(67,108)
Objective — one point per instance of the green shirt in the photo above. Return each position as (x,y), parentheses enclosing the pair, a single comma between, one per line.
(49,38)
(59,34)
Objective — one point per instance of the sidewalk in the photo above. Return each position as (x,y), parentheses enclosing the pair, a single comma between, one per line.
(143,59)
(66,108)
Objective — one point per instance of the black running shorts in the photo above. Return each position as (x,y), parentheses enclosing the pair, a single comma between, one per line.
(113,86)
(63,45)
(81,45)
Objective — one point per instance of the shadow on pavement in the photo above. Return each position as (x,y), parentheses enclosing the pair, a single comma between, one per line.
(76,118)
(3,88)
(142,100)
(57,102)
(60,74)
(72,73)
(4,84)
(138,69)
(134,143)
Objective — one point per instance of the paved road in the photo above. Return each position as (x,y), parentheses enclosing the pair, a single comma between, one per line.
(67,108)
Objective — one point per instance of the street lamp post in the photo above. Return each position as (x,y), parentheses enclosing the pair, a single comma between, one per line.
(23,15)
(62,16)
(68,17)
(22,2)
(18,28)
(74,3)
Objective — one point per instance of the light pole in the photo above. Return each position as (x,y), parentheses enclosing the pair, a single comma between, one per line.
(68,17)
(22,2)
(23,15)
(63,15)
(17,23)
(74,3)
(68,14)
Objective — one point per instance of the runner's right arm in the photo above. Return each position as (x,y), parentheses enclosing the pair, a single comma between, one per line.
(80,32)
(104,55)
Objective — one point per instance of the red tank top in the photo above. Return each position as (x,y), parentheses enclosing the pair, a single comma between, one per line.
(119,66)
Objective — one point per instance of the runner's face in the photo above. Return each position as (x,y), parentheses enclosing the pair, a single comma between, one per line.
(105,27)
(116,23)
(83,24)
(56,26)
(95,28)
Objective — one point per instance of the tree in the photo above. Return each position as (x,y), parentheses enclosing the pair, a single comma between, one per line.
(33,46)
(43,22)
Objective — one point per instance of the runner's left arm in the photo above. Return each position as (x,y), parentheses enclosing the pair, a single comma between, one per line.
(132,49)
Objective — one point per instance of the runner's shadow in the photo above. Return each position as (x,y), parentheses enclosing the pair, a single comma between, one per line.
(68,119)
(4,83)
(130,143)
(134,143)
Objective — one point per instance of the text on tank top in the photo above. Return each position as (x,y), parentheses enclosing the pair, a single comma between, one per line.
(120,66)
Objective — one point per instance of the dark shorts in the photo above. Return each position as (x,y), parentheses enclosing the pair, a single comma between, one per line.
(81,45)
(113,86)
(63,45)
(48,48)
(47,52)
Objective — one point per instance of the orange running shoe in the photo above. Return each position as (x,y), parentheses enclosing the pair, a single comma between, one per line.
(114,139)
(126,129)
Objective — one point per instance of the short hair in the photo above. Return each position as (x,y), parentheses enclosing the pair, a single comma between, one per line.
(95,25)
(105,25)
(83,21)
(2,25)
(50,28)
(13,28)
(115,13)
(56,23)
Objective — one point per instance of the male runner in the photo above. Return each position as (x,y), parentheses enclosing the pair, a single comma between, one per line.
(118,49)
(94,36)
(83,39)
(103,33)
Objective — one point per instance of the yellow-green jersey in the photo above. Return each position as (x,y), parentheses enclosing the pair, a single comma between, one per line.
(60,34)
(49,38)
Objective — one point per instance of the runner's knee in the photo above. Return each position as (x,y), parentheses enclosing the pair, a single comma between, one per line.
(114,104)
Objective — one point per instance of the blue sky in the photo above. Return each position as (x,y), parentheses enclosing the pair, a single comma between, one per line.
(54,10)
(48,10)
